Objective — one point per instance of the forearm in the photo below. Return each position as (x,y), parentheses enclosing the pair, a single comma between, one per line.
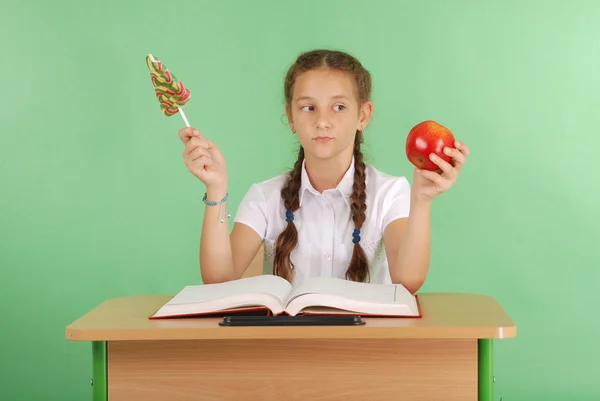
(216,261)
(412,261)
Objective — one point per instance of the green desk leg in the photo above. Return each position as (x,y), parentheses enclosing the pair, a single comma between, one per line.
(99,371)
(486,369)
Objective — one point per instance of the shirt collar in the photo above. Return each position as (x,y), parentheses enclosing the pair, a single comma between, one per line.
(344,186)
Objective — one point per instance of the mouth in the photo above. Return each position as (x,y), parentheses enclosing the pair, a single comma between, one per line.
(323,138)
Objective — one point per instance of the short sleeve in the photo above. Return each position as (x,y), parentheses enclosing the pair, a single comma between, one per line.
(252,210)
(397,201)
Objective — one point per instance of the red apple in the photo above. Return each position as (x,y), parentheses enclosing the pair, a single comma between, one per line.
(425,138)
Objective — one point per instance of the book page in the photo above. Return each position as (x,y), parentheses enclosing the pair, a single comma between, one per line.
(345,295)
(378,293)
(264,284)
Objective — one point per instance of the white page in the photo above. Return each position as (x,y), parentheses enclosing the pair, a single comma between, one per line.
(366,292)
(266,284)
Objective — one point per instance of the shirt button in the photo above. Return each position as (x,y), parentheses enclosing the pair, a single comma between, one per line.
(328,256)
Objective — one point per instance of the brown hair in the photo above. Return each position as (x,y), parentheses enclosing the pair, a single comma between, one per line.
(358,270)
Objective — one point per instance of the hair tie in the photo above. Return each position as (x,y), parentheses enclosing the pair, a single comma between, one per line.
(289,216)
(355,235)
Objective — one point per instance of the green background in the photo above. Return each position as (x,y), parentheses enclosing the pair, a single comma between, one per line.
(96,202)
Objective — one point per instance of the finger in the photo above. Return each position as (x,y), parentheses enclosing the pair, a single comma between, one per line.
(458,157)
(446,167)
(187,133)
(203,160)
(190,148)
(436,178)
(203,141)
(195,153)
(440,183)
(197,142)
(464,149)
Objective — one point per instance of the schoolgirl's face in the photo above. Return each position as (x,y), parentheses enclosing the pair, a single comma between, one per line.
(325,113)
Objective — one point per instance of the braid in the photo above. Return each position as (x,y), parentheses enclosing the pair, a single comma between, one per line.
(359,264)
(288,239)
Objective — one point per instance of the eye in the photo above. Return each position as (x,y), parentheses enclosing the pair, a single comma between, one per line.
(304,108)
(341,106)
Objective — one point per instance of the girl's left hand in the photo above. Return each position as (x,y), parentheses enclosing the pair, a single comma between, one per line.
(429,184)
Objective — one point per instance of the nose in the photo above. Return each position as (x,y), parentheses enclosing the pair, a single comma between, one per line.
(323,120)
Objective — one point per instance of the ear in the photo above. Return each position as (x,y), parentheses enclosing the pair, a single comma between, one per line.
(288,112)
(364,115)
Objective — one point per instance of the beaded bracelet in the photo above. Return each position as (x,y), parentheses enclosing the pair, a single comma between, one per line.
(213,203)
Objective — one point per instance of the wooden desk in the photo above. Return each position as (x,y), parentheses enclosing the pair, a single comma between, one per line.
(447,354)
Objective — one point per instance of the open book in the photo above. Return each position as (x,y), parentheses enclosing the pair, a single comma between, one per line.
(275,295)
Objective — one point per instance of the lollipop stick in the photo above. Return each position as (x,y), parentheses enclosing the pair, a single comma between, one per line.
(184,118)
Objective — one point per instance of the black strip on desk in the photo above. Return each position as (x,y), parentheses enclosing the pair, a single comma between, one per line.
(284,320)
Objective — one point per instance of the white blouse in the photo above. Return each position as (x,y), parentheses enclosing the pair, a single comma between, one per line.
(324,222)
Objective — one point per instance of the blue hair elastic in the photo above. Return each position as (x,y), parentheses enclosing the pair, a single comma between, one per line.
(355,236)
(289,216)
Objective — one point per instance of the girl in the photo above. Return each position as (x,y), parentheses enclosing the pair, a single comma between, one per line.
(332,215)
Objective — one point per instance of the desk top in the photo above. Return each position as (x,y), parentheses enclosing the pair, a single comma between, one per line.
(445,315)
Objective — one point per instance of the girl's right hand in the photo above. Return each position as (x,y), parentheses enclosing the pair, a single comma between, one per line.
(203,158)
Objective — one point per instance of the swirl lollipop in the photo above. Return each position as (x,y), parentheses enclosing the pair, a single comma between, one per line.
(170,92)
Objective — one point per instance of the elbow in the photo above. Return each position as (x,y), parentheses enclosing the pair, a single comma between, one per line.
(411,279)
(213,280)
(411,285)
(209,277)
(413,288)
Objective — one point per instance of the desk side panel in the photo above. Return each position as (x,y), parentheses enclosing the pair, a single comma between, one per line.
(411,369)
